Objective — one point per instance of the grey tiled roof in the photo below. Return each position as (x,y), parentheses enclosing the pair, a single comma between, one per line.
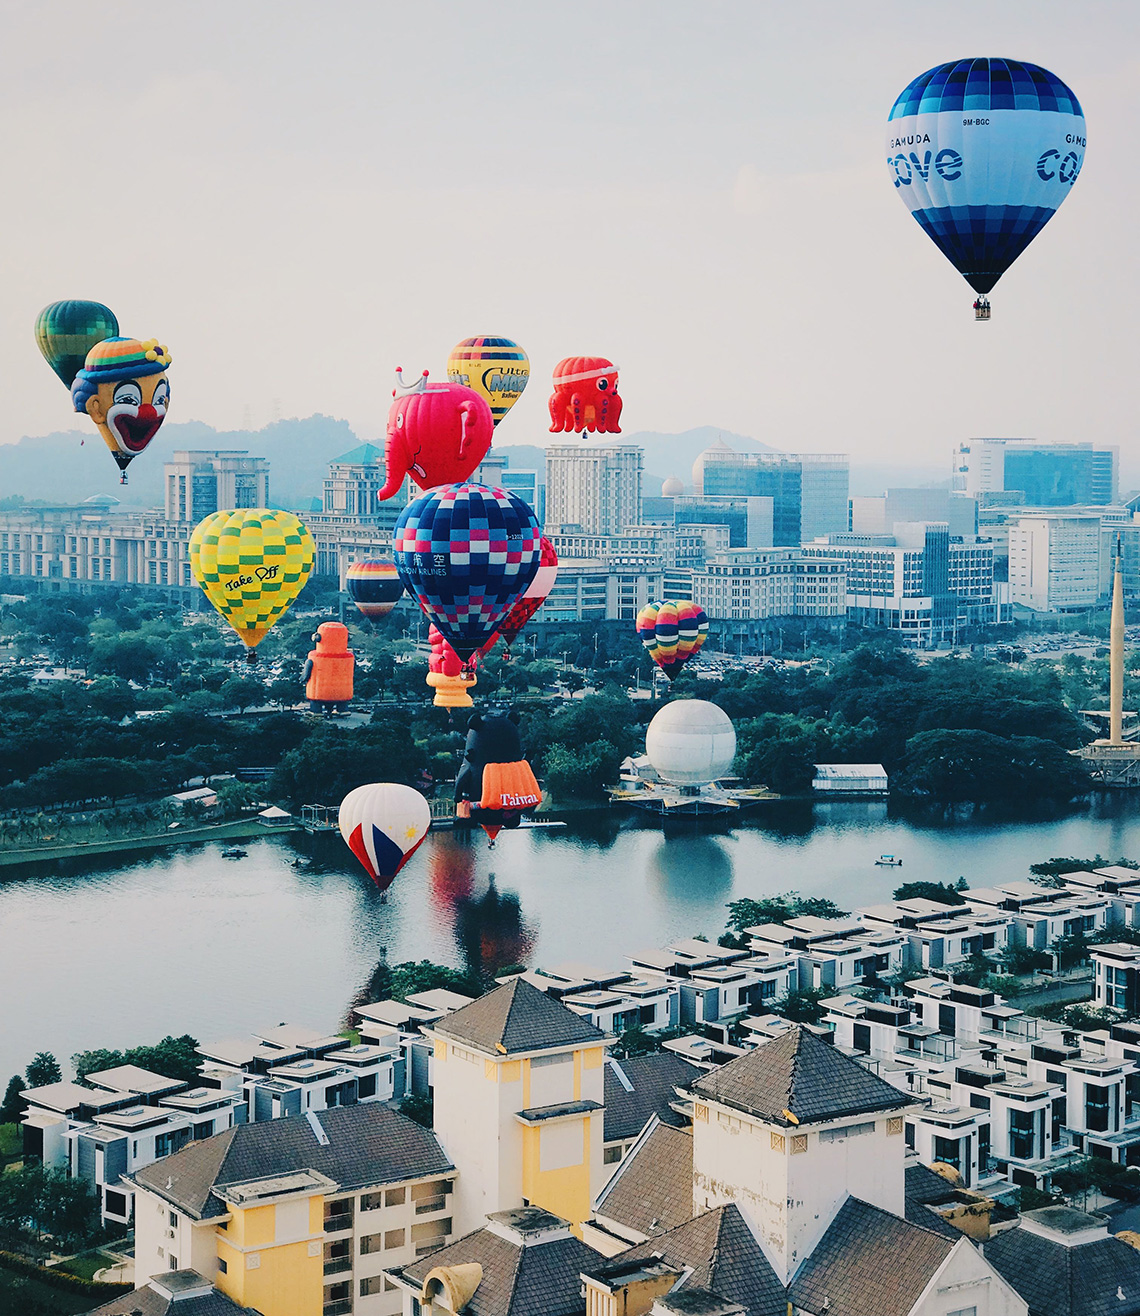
(869,1263)
(1056,1280)
(724,1256)
(653,1079)
(517,1017)
(924,1186)
(541,1279)
(652,1190)
(798,1072)
(146,1302)
(367,1144)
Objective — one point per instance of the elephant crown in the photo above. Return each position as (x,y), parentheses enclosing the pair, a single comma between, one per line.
(403,390)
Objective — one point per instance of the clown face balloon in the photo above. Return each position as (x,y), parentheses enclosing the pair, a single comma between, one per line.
(124,389)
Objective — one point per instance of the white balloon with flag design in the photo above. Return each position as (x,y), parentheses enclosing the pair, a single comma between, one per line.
(383,824)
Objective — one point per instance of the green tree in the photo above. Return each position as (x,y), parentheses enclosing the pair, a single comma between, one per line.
(44,1069)
(749,913)
(12,1108)
(581,773)
(242,692)
(942,892)
(173,1057)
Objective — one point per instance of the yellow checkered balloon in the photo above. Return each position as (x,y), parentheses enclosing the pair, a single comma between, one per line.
(252,563)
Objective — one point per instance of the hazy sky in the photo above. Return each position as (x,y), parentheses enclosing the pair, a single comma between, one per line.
(299,197)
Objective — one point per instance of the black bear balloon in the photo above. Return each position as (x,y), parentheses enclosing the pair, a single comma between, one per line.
(495,786)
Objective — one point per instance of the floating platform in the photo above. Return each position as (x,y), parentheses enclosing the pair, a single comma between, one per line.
(673,801)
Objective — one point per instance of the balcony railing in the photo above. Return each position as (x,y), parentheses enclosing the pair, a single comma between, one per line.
(342,1307)
(338,1265)
(428,1204)
(335,1223)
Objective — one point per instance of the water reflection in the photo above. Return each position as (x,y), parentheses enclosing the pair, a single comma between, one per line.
(491,933)
(690,869)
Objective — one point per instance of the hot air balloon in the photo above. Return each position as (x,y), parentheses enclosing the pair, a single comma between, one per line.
(495,785)
(532,598)
(496,368)
(982,152)
(124,389)
(328,669)
(251,563)
(67,331)
(374,587)
(437,434)
(585,396)
(466,553)
(384,824)
(672,632)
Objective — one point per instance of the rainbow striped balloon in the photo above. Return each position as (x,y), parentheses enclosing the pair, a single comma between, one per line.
(672,633)
(496,368)
(375,588)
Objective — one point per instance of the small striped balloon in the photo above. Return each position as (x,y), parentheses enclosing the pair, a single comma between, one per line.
(375,588)
(672,633)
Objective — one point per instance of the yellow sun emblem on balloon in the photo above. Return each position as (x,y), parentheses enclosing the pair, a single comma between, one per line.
(410,833)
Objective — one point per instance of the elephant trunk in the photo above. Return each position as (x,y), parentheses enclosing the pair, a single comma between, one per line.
(395,467)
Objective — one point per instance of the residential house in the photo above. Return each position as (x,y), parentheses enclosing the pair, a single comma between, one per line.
(299,1214)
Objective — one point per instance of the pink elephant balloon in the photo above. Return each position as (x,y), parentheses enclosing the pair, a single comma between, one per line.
(437,434)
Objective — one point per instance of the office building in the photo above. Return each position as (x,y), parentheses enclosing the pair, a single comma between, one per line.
(918,581)
(598,490)
(749,520)
(595,589)
(878,516)
(1037,474)
(747,592)
(1054,561)
(198,483)
(808,491)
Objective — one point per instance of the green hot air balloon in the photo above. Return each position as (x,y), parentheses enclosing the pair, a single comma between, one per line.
(67,331)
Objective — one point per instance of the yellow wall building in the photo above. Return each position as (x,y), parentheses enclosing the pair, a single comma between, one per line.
(519,1097)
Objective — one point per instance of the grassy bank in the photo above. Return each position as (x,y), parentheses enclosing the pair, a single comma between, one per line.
(242,828)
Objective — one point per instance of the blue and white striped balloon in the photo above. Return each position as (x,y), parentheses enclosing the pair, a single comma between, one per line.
(982,152)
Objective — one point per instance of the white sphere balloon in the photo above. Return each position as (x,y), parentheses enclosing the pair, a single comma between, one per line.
(691,742)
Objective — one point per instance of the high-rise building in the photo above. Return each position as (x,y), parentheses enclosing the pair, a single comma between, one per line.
(1054,561)
(877,516)
(918,580)
(1043,474)
(808,490)
(749,521)
(596,489)
(198,483)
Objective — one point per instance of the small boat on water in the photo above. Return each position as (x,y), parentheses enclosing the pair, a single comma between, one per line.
(888,861)
(234,852)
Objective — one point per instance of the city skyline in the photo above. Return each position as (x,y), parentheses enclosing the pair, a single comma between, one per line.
(655,167)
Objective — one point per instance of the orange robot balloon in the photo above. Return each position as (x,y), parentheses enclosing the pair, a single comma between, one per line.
(585,396)
(328,669)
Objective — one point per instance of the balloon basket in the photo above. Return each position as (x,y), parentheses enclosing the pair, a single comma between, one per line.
(981,311)
(451,691)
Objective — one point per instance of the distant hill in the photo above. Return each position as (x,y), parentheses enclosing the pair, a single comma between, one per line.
(57,469)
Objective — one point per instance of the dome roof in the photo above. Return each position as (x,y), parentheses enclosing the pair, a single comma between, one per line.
(691,742)
(672,488)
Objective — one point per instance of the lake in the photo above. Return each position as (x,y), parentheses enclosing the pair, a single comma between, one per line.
(118,951)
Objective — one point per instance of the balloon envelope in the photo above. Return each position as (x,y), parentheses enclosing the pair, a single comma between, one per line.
(982,152)
(375,588)
(383,824)
(67,331)
(534,596)
(496,368)
(466,553)
(672,633)
(251,563)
